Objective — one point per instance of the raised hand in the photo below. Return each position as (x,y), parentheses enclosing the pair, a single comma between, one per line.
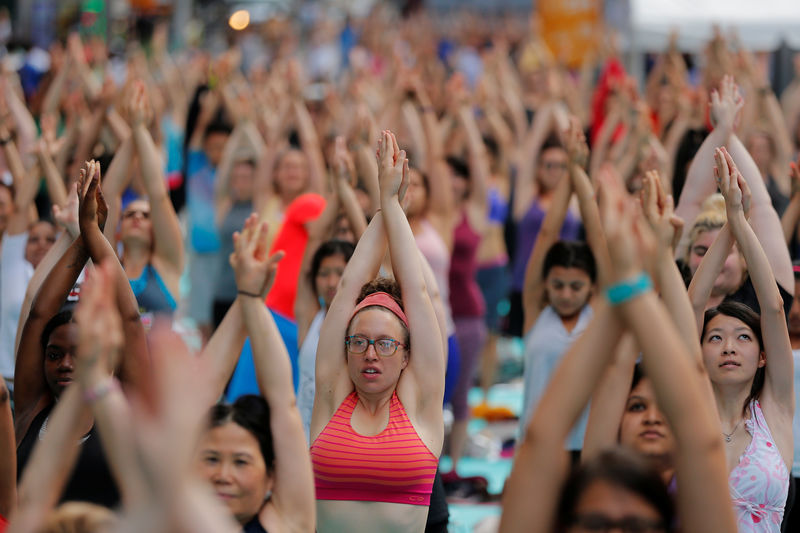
(629,241)
(659,210)
(92,209)
(253,268)
(209,102)
(726,104)
(343,162)
(138,108)
(392,167)
(67,216)
(575,141)
(731,184)
(100,334)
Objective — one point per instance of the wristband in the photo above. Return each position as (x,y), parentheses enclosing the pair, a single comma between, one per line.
(628,289)
(101,390)
(250,294)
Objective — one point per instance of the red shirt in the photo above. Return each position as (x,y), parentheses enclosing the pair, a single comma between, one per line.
(292,239)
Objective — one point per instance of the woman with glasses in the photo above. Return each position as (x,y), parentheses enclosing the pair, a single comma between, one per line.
(543,165)
(152,244)
(377,427)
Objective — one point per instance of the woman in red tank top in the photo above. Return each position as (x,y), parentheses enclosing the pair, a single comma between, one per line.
(377,426)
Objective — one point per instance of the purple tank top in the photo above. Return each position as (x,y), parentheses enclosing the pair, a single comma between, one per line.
(527,231)
(466,299)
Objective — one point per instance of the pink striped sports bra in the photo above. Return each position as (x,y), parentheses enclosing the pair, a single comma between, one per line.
(394,466)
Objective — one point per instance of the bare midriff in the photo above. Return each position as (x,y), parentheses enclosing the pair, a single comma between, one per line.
(337,516)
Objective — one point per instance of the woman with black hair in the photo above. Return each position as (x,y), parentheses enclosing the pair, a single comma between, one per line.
(560,282)
(319,287)
(45,359)
(254,453)
(749,363)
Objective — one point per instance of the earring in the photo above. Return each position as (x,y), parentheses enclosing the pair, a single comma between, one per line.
(268,496)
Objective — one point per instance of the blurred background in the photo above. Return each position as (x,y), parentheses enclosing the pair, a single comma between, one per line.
(571,28)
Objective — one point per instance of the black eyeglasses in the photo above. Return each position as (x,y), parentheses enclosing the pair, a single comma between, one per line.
(629,524)
(385,347)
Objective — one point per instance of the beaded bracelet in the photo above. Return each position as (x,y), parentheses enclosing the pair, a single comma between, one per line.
(101,390)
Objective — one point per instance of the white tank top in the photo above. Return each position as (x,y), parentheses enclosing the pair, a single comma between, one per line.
(307,364)
(545,344)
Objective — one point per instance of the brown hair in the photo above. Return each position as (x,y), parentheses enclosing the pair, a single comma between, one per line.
(390,287)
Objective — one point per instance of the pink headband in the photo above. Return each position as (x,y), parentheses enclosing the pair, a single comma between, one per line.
(382,299)
(796,269)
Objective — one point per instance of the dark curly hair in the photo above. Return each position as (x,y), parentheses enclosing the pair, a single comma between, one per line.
(250,412)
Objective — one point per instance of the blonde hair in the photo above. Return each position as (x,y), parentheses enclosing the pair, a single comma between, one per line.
(80,517)
(712,217)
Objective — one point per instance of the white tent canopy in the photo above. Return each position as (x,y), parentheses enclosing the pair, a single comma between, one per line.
(760,24)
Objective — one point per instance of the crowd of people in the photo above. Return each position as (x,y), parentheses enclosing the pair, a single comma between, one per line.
(364,208)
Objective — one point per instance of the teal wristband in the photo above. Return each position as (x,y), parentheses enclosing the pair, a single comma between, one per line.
(628,289)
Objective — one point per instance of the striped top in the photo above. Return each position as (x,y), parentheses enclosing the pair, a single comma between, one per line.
(394,466)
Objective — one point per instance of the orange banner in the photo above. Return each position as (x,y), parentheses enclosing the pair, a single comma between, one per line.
(570,28)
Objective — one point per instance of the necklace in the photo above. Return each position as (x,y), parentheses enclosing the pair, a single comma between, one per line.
(729,436)
(43,431)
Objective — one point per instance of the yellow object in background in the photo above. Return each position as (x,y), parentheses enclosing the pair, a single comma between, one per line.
(569,28)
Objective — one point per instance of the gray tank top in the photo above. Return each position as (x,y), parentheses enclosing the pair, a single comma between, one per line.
(225,287)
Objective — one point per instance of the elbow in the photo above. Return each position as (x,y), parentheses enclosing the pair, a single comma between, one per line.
(772,308)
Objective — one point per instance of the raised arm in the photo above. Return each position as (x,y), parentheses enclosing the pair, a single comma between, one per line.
(541,464)
(31,392)
(55,182)
(91,218)
(703,501)
(726,106)
(533,288)
(791,216)
(779,384)
(763,217)
(608,401)
(306,304)
(310,144)
(115,181)
(294,482)
(332,380)
(659,210)
(100,340)
(440,199)
(584,190)
(168,249)
(427,365)
(524,186)
(478,162)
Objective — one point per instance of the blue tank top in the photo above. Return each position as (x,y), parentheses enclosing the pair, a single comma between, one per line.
(498,207)
(152,294)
